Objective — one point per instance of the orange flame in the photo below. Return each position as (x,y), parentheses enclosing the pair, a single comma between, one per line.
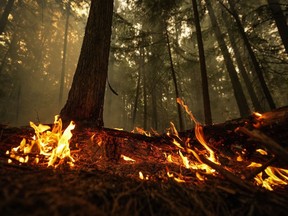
(276,176)
(54,144)
(141,131)
(199,132)
(127,158)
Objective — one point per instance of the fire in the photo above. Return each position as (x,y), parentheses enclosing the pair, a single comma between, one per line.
(275,176)
(141,176)
(141,131)
(52,144)
(186,152)
(127,158)
(258,117)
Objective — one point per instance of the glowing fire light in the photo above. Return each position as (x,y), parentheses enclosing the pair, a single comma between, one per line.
(127,158)
(259,118)
(275,176)
(141,176)
(141,131)
(54,144)
(186,162)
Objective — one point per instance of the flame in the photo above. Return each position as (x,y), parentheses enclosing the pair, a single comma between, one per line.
(259,117)
(141,131)
(127,158)
(141,176)
(54,144)
(275,176)
(185,159)
(262,152)
(199,134)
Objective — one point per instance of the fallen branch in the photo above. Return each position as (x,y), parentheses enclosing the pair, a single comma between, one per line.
(228,175)
(260,169)
(269,143)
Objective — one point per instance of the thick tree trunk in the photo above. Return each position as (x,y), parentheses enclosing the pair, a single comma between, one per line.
(280,21)
(4,17)
(64,54)
(258,69)
(205,88)
(243,71)
(181,126)
(86,96)
(237,88)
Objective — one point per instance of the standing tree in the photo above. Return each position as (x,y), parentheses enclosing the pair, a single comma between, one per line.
(86,97)
(205,88)
(64,55)
(5,14)
(236,85)
(280,21)
(257,68)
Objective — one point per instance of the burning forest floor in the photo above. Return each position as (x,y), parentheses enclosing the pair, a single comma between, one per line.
(122,173)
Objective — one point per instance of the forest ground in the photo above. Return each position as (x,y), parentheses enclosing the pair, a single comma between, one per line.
(102,183)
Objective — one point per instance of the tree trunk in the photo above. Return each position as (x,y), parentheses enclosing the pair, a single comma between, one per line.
(64,54)
(258,69)
(181,126)
(4,17)
(86,97)
(154,109)
(243,71)
(134,114)
(280,21)
(237,88)
(144,77)
(205,88)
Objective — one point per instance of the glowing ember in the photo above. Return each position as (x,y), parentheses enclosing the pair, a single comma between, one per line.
(141,176)
(54,144)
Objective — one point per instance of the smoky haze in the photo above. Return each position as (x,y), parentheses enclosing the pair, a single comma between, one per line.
(32,49)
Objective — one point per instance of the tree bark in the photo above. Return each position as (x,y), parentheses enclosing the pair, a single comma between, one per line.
(205,88)
(4,17)
(144,77)
(280,21)
(243,71)
(86,97)
(181,126)
(237,88)
(257,68)
(136,98)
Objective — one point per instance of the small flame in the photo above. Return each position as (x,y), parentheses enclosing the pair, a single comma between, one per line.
(262,152)
(141,176)
(141,131)
(127,158)
(259,118)
(257,115)
(275,176)
(54,144)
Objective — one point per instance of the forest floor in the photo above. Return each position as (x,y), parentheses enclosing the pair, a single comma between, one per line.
(103,183)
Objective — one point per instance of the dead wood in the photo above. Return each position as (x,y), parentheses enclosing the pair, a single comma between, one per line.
(102,183)
(230,176)
(260,169)
(267,142)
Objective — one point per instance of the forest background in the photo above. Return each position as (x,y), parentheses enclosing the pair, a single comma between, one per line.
(154,58)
